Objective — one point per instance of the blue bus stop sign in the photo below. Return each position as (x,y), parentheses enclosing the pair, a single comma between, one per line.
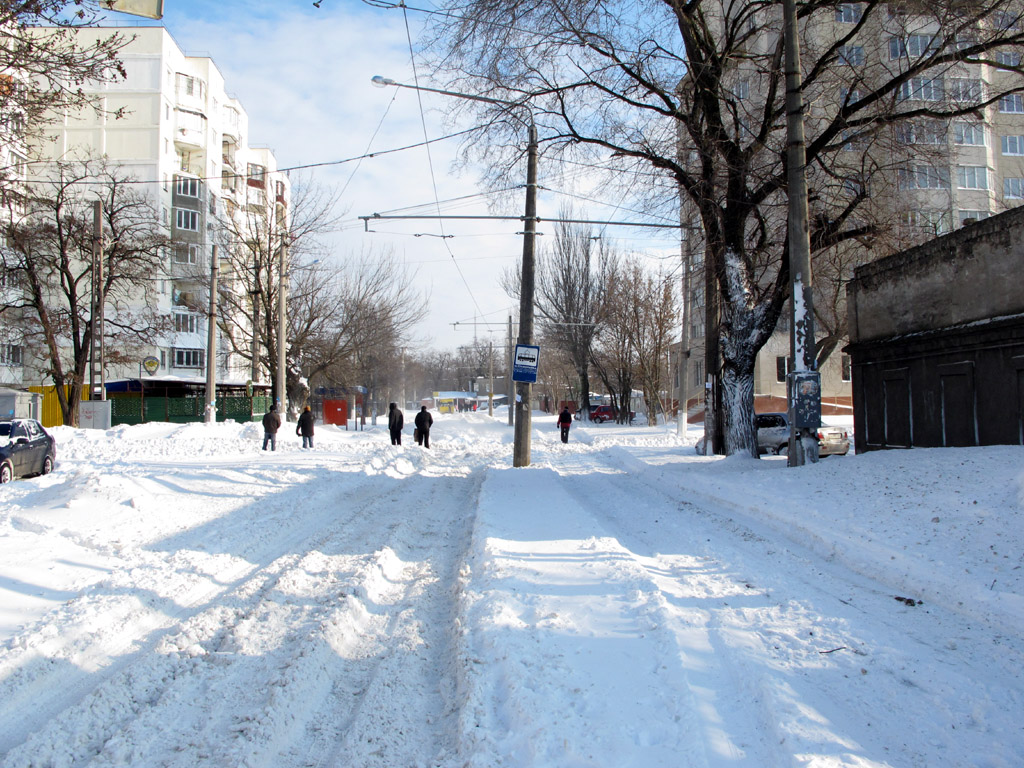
(524,365)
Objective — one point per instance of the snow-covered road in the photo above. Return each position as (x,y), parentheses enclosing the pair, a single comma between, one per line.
(172,596)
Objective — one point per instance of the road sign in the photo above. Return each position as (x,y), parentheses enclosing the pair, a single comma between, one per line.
(524,366)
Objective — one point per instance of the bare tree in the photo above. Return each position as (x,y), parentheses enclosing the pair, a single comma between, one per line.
(570,296)
(49,255)
(693,92)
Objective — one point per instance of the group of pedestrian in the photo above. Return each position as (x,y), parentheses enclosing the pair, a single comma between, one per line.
(422,424)
(272,423)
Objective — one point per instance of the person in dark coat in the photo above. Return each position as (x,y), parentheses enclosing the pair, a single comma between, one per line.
(564,422)
(305,427)
(396,420)
(423,423)
(271,423)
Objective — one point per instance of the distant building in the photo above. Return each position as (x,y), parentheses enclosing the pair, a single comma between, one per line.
(186,139)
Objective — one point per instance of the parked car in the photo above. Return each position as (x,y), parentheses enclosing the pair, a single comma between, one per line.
(602,413)
(773,436)
(25,449)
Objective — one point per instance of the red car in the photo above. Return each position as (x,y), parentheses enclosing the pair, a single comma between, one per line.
(603,413)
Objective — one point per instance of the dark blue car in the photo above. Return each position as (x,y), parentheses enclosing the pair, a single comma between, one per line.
(25,449)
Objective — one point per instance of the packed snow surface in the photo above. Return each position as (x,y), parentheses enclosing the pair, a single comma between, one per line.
(171,595)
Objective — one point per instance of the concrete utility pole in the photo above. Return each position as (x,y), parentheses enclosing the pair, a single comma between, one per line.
(97,357)
(509,386)
(282,322)
(211,343)
(684,337)
(490,388)
(524,390)
(803,384)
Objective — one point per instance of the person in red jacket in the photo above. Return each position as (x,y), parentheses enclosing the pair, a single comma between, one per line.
(564,422)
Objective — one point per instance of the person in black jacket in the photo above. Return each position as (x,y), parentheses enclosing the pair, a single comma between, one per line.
(564,422)
(271,423)
(305,427)
(396,420)
(423,423)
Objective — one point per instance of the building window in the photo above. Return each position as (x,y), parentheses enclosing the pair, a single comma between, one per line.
(921,132)
(1008,58)
(186,323)
(851,55)
(781,369)
(741,90)
(189,358)
(923,177)
(923,89)
(1013,188)
(11,355)
(849,96)
(971,216)
(186,219)
(969,134)
(913,46)
(964,89)
(1013,145)
(933,222)
(185,253)
(847,365)
(1012,103)
(1004,20)
(972,177)
(698,373)
(257,174)
(187,187)
(848,13)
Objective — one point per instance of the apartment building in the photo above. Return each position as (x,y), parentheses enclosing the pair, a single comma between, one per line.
(927,176)
(185,139)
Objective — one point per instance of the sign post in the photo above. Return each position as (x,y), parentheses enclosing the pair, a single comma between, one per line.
(524,364)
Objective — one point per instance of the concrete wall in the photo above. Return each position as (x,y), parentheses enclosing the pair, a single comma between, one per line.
(970,275)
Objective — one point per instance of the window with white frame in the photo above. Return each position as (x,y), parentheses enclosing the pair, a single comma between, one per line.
(257,173)
(1008,58)
(1013,188)
(854,141)
(1012,103)
(921,132)
(969,134)
(11,355)
(923,89)
(781,369)
(968,215)
(964,88)
(848,13)
(934,222)
(849,96)
(912,46)
(1005,20)
(186,253)
(1013,145)
(186,186)
(851,55)
(189,358)
(186,219)
(972,177)
(923,177)
(186,322)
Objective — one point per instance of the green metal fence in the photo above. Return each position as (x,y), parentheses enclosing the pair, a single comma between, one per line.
(183,410)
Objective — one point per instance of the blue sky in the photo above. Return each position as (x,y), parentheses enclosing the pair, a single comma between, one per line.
(303,75)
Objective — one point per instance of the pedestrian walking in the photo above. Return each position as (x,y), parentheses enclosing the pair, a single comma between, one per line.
(423,423)
(271,423)
(305,427)
(396,420)
(564,422)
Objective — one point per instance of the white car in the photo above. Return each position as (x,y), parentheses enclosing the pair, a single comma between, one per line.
(773,436)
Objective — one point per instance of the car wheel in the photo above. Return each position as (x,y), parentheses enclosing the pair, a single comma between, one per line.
(6,473)
(47,465)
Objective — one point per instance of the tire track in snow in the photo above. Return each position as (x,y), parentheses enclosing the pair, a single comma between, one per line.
(160,657)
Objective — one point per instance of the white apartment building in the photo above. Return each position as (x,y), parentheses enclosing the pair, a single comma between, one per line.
(951,172)
(186,139)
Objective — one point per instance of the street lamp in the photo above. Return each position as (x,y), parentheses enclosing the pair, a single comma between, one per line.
(521,437)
